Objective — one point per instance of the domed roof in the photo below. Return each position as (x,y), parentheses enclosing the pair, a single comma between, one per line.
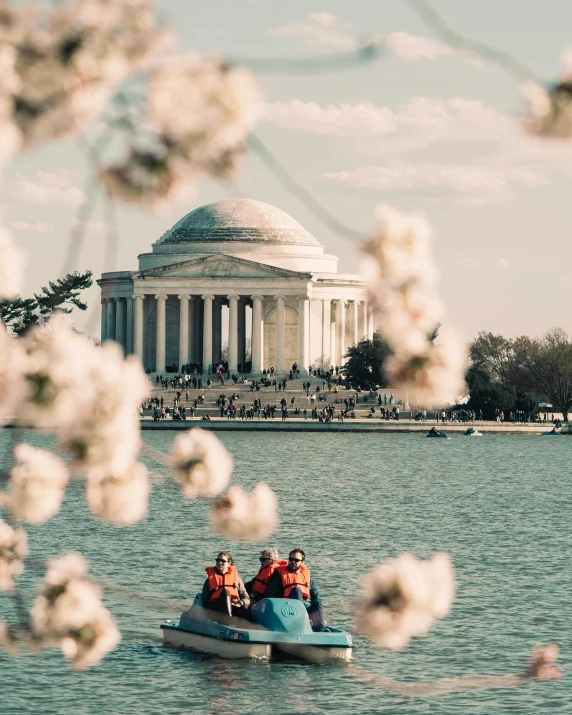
(238,220)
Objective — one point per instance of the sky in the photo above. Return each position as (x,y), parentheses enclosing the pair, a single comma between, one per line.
(427,128)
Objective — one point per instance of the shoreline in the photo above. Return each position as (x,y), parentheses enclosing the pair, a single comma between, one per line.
(349,425)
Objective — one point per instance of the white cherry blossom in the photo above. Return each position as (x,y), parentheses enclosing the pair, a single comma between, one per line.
(401,278)
(248,517)
(201,463)
(69,614)
(120,498)
(37,484)
(13,551)
(402,598)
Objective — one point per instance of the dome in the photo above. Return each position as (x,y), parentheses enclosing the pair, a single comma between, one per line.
(239,221)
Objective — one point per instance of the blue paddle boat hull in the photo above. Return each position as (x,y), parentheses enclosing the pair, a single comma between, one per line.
(280,626)
(443,435)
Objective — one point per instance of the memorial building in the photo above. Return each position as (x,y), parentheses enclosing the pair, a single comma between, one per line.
(285,299)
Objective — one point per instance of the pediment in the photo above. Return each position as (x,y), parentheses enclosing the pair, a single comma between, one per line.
(217,266)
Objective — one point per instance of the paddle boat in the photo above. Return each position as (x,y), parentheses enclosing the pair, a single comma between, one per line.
(553,433)
(438,435)
(472,432)
(280,626)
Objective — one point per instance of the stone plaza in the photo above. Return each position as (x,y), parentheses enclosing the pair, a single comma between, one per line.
(283,295)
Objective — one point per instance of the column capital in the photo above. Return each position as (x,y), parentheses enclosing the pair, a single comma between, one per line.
(104,300)
(343,301)
(357,301)
(233,297)
(279,297)
(138,297)
(160,296)
(117,298)
(257,297)
(184,296)
(207,296)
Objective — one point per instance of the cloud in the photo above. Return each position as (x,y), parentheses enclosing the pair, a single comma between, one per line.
(48,188)
(433,148)
(414,47)
(319,28)
(342,120)
(415,124)
(36,227)
(326,30)
(474,185)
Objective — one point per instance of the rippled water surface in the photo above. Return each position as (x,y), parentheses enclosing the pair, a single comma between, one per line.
(500,505)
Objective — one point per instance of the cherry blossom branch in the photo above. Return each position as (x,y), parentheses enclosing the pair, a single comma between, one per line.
(437,23)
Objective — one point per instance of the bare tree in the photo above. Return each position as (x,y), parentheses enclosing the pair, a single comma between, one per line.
(549,369)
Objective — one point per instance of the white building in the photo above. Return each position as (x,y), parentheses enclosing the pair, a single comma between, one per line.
(282,292)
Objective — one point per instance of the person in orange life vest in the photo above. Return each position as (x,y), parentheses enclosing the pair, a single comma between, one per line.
(294,581)
(223,591)
(269,562)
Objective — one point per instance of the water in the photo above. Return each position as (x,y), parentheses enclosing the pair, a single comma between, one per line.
(500,505)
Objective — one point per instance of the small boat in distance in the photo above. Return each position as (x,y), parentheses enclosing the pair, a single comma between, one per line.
(434,432)
(280,626)
(554,432)
(472,432)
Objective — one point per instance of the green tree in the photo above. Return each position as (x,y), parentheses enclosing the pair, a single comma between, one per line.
(364,366)
(19,314)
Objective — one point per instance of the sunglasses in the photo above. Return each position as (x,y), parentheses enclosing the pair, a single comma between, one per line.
(264,558)
(298,561)
(221,561)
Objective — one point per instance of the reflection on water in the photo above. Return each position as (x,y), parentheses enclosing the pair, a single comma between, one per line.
(500,505)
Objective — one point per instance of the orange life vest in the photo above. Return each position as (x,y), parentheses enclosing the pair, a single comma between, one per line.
(217,582)
(263,577)
(299,578)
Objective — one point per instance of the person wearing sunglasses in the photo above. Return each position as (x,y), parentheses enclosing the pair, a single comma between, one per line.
(269,562)
(223,590)
(295,581)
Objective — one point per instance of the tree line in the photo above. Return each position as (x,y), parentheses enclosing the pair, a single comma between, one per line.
(506,374)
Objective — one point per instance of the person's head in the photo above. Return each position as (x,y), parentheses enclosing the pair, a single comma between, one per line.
(295,559)
(268,556)
(223,561)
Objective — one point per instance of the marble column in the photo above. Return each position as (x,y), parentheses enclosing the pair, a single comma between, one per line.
(183,329)
(326,320)
(233,332)
(242,334)
(280,330)
(129,326)
(217,331)
(103,319)
(363,331)
(161,338)
(194,352)
(207,332)
(303,334)
(370,321)
(333,333)
(120,322)
(355,322)
(256,339)
(342,331)
(138,325)
(110,319)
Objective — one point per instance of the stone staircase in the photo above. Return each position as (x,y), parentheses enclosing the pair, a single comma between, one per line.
(271,396)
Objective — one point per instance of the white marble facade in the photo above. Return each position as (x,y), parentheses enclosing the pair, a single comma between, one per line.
(281,291)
